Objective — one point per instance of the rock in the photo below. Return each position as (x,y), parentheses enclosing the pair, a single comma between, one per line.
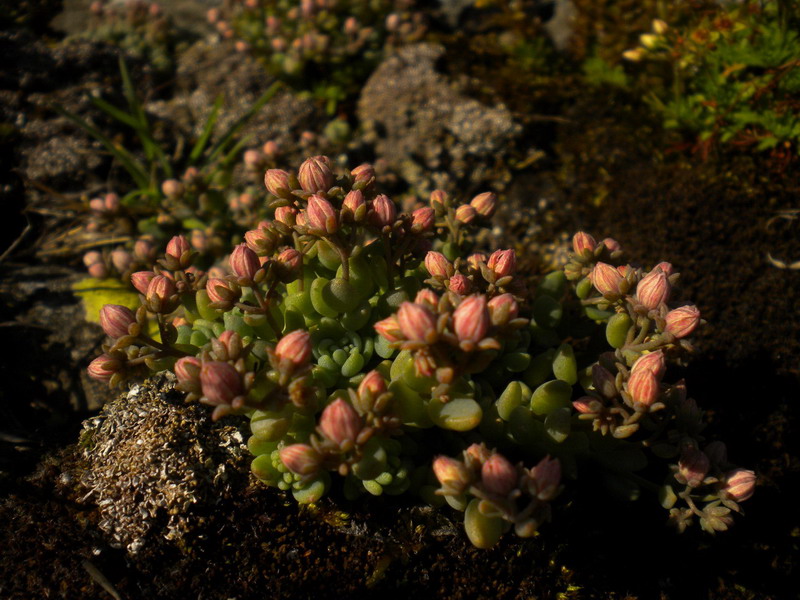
(429,131)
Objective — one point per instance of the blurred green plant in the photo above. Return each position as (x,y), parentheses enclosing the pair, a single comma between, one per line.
(377,345)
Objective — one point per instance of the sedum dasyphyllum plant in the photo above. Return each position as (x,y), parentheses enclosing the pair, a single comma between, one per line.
(377,347)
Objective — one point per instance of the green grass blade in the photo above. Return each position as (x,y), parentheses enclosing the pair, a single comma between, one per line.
(115,112)
(208,128)
(223,142)
(133,166)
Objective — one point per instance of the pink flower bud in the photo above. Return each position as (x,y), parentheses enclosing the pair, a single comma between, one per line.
(363,174)
(291,259)
(121,259)
(498,475)
(111,203)
(583,405)
(244,262)
(643,387)
(740,484)
(502,262)
(95,264)
(427,298)
(277,182)
(220,382)
(144,249)
(438,199)
(301,459)
(437,265)
(484,204)
(459,284)
(115,320)
(452,474)
(423,219)
(172,188)
(231,341)
(271,149)
(286,215)
(389,329)
(653,289)
(295,348)
(340,422)
(624,270)
(666,267)
(383,212)
(477,453)
(102,368)
(374,383)
(257,240)
(605,278)
(653,361)
(693,466)
(141,280)
(254,159)
(547,475)
(471,319)
(682,321)
(417,322)
(355,203)
(466,214)
(212,15)
(475,260)
(612,244)
(177,246)
(97,205)
(582,242)
(503,308)
(321,215)
(392,22)
(161,288)
(187,370)
(218,290)
(315,175)
(191,175)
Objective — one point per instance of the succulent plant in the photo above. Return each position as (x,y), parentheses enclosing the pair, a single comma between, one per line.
(379,346)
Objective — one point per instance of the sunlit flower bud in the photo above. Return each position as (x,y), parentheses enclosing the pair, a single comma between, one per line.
(374,383)
(427,297)
(653,361)
(477,453)
(177,246)
(603,381)
(624,270)
(475,260)
(355,203)
(438,199)
(634,54)
(452,474)
(693,466)
(682,321)
(295,348)
(666,267)
(383,211)
(95,264)
(363,174)
(198,240)
(502,262)
(437,265)
(172,188)
(271,149)
(340,422)
(717,453)
(416,322)
(278,44)
(115,320)
(160,288)
(389,329)
(254,159)
(484,204)
(111,203)
(350,26)
(459,284)
(659,27)
(277,182)
(503,308)
(583,405)
(291,259)
(612,244)
(740,484)
(423,218)
(244,262)
(218,290)
(582,242)
(141,280)
(643,387)
(465,214)
(606,278)
(498,475)
(471,319)
(102,368)
(144,250)
(97,205)
(187,370)
(286,215)
(648,40)
(121,259)
(212,15)
(315,175)
(220,382)
(300,458)
(547,475)
(191,175)
(231,341)
(653,289)
(321,215)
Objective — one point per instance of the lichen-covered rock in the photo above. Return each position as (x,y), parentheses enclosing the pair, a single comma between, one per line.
(428,130)
(155,465)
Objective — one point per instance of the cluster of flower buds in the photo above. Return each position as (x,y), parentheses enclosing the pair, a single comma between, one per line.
(495,494)
(651,42)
